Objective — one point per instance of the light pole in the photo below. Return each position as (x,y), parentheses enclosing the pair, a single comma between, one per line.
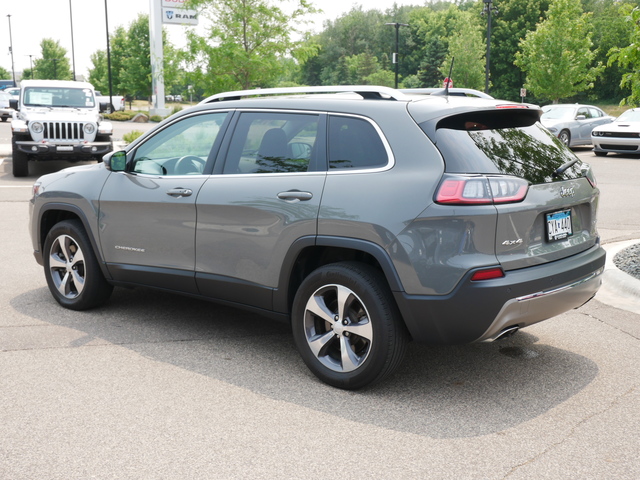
(396,60)
(488,10)
(13,71)
(31,65)
(106,21)
(73,52)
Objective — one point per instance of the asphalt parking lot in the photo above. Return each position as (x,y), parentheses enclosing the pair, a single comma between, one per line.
(156,386)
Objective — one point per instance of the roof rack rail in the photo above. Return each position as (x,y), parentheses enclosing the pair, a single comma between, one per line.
(366,91)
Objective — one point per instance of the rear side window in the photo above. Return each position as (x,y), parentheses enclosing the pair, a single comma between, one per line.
(502,142)
(273,142)
(354,143)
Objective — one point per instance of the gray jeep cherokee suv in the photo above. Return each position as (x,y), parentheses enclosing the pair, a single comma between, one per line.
(363,216)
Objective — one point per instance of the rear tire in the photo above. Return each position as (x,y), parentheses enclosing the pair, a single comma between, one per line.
(347,327)
(565,137)
(71,268)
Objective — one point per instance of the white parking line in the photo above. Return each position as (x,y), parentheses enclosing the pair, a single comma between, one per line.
(16,186)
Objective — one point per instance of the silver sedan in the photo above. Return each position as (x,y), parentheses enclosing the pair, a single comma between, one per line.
(572,123)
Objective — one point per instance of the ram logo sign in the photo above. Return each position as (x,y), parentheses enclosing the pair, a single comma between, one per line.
(179,16)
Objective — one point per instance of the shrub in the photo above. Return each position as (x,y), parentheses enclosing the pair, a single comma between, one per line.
(131,136)
(118,116)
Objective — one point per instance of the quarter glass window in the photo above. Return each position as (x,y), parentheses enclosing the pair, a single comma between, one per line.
(354,143)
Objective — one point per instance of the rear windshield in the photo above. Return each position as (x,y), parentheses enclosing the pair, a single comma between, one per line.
(506,142)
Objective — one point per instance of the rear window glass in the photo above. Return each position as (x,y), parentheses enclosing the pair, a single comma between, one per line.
(354,143)
(505,143)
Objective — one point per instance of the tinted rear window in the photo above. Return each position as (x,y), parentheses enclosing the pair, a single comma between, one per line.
(501,142)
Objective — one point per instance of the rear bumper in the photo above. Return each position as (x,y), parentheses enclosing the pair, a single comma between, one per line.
(64,150)
(481,311)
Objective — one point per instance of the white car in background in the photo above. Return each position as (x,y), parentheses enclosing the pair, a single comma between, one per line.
(5,111)
(621,136)
(572,123)
(13,91)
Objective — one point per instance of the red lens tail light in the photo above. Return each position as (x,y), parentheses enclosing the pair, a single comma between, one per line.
(481,190)
(487,274)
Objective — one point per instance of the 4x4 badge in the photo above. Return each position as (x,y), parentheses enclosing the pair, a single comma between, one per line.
(512,242)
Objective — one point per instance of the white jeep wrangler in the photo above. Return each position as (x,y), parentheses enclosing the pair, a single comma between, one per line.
(58,119)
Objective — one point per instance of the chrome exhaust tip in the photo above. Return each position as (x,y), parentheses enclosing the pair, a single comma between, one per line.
(507,332)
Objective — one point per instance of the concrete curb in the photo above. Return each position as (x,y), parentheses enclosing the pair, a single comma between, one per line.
(619,289)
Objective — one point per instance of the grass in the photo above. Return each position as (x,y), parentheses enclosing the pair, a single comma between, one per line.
(613,110)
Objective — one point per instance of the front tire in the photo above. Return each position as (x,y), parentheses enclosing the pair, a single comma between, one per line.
(71,268)
(19,161)
(347,326)
(601,154)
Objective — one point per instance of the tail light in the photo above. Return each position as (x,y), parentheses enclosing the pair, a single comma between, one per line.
(487,274)
(481,190)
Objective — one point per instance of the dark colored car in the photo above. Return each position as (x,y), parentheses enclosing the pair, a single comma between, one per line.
(365,217)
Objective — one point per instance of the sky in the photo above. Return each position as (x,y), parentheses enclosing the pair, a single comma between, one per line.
(33,20)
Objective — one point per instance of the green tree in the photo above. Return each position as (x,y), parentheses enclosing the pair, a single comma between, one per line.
(610,30)
(468,49)
(512,22)
(557,57)
(355,33)
(135,72)
(245,43)
(435,52)
(130,61)
(432,30)
(4,73)
(629,58)
(54,64)
(98,75)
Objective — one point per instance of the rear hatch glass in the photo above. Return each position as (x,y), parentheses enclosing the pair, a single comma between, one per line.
(556,218)
(507,142)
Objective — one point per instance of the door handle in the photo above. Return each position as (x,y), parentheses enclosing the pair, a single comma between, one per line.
(180,192)
(295,195)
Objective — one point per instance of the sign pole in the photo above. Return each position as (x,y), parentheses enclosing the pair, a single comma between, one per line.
(155,44)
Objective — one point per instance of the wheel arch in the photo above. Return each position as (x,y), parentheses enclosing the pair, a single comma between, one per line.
(309,253)
(54,213)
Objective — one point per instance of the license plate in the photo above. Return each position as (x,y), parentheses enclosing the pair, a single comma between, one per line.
(559,225)
(64,148)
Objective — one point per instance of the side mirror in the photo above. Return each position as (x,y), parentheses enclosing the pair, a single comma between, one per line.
(115,161)
(581,117)
(13,103)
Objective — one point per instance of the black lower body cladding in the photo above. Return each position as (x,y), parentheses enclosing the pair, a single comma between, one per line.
(480,310)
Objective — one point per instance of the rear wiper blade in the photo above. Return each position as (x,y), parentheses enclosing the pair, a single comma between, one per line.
(562,168)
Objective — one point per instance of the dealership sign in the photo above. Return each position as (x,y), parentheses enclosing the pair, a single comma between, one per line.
(173,13)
